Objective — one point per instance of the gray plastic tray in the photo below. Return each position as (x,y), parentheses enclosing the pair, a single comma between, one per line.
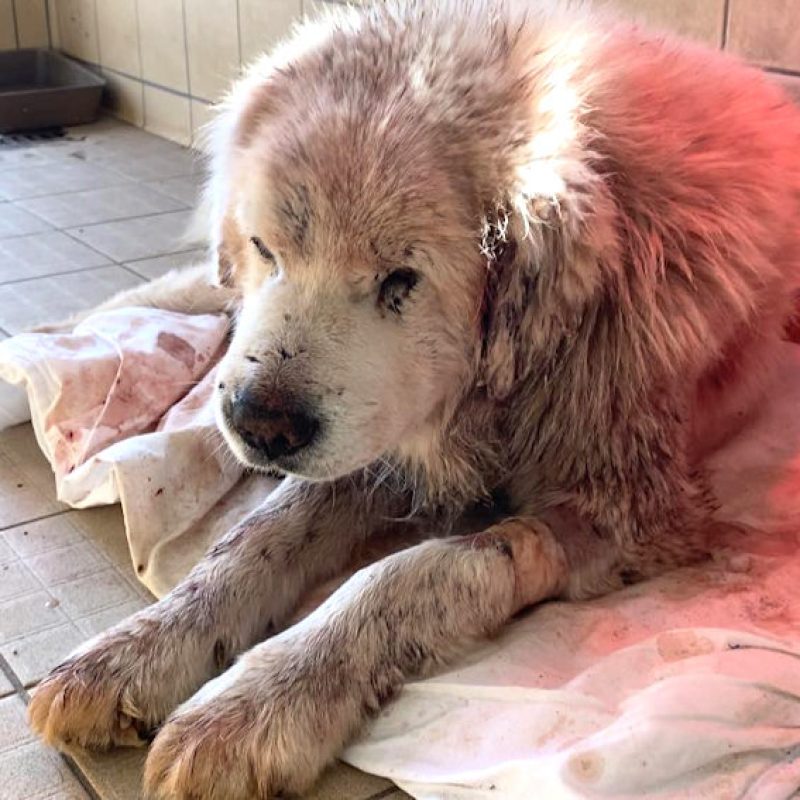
(43,89)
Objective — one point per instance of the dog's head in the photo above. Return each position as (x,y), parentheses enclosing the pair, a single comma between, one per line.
(351,217)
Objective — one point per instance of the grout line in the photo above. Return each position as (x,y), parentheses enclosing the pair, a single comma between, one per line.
(72,766)
(80,776)
(186,50)
(188,72)
(33,519)
(789,73)
(92,224)
(13,679)
(133,261)
(97,34)
(78,270)
(239,37)
(134,272)
(14,19)
(17,281)
(143,81)
(138,38)
(726,17)
(48,23)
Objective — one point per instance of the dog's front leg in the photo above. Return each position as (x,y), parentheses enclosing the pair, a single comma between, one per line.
(272,722)
(118,686)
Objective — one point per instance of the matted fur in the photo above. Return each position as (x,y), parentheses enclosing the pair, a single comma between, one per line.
(603,231)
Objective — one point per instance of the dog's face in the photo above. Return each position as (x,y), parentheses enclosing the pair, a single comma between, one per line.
(357,257)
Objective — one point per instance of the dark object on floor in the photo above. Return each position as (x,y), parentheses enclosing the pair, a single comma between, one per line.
(43,89)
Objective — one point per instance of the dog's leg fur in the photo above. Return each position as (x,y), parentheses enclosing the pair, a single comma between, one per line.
(272,722)
(121,684)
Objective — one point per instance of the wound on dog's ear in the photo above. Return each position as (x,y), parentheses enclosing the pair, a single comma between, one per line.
(229,252)
(502,310)
(224,268)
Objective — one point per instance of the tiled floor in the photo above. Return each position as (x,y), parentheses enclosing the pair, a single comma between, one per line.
(79,220)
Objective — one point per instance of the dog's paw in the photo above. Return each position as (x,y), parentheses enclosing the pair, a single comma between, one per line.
(103,695)
(259,730)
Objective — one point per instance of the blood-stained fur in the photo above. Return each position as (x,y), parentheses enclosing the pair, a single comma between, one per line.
(479,249)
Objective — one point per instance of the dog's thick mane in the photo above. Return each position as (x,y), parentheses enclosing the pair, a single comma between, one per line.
(622,264)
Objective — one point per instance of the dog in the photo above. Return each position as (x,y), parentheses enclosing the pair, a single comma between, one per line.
(481,252)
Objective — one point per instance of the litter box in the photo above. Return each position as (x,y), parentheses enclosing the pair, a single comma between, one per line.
(43,89)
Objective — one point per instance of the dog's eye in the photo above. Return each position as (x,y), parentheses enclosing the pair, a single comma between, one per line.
(263,250)
(396,287)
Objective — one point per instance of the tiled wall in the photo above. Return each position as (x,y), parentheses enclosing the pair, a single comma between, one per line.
(167,60)
(23,23)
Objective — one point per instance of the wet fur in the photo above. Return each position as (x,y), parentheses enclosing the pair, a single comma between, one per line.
(612,220)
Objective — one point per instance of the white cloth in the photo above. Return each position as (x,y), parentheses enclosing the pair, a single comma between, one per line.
(682,687)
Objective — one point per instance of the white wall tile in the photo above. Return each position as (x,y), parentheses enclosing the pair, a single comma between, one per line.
(213,44)
(163,43)
(8,33)
(167,114)
(124,97)
(766,31)
(31,23)
(265,22)
(118,33)
(696,19)
(77,27)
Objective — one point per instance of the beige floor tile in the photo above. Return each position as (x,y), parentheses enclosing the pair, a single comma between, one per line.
(102,205)
(42,536)
(13,729)
(116,775)
(16,580)
(68,564)
(29,770)
(55,178)
(6,552)
(132,239)
(104,527)
(33,656)
(52,299)
(23,157)
(85,596)
(40,254)
(23,616)
(152,268)
(23,495)
(97,623)
(157,162)
(342,780)
(6,687)
(186,188)
(16,221)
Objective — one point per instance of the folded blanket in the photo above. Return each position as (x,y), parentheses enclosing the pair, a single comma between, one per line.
(686,686)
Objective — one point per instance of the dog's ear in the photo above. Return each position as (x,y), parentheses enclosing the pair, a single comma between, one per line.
(236,124)
(230,253)
(540,271)
(506,297)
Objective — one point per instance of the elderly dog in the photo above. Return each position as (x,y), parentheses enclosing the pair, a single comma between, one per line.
(481,250)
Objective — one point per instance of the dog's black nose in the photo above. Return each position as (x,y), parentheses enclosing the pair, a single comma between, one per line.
(272,427)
